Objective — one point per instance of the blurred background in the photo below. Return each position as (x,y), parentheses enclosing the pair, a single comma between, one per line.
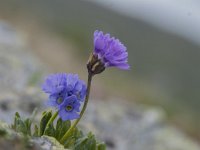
(162,38)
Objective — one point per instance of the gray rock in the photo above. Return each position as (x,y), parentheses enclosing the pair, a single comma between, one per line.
(18,67)
(134,127)
(24,103)
(48,143)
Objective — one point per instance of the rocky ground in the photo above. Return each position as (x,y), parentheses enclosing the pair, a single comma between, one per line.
(121,125)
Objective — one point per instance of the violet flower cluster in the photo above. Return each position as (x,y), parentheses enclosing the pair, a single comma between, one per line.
(66,92)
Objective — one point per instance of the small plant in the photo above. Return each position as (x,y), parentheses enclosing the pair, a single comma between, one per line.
(69,96)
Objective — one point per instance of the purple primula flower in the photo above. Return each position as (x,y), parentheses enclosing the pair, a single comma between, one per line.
(75,86)
(56,99)
(55,83)
(110,51)
(69,109)
(55,86)
(60,86)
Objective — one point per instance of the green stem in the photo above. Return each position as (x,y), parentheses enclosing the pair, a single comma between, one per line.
(51,120)
(82,111)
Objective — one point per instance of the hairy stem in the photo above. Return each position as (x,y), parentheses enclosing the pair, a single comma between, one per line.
(82,111)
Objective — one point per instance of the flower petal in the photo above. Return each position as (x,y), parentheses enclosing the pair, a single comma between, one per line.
(110,51)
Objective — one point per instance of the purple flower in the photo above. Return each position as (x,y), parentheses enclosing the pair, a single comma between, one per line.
(110,51)
(75,86)
(60,86)
(69,109)
(55,86)
(55,83)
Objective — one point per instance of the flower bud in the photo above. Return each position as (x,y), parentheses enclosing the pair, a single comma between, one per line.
(94,65)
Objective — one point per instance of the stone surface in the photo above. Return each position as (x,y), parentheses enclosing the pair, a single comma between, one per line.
(18,68)
(10,140)
(134,127)
(48,143)
(123,126)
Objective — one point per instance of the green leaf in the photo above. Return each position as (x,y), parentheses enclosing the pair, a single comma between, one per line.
(45,118)
(69,143)
(75,141)
(36,131)
(22,126)
(61,128)
(91,143)
(81,143)
(28,123)
(73,137)
(50,130)
(101,146)
(17,116)
(86,143)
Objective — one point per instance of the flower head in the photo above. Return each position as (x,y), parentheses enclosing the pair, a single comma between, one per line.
(54,83)
(110,51)
(75,86)
(60,86)
(69,109)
